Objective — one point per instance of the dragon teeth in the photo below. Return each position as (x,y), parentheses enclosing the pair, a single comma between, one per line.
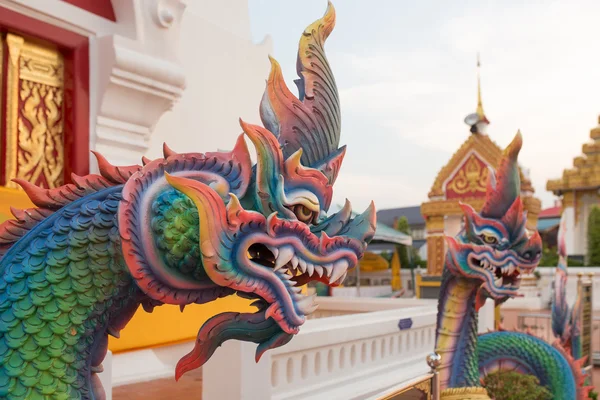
(286,253)
(275,251)
(310,269)
(294,262)
(339,268)
(319,270)
(498,281)
(302,265)
(306,304)
(311,309)
(328,268)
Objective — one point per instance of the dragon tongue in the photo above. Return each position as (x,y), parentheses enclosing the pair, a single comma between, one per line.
(228,326)
(277,340)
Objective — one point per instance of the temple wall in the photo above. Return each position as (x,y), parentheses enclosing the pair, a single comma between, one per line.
(225,78)
(453,225)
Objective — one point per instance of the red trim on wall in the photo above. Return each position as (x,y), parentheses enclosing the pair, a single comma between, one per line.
(77,73)
(3,95)
(75,49)
(102,8)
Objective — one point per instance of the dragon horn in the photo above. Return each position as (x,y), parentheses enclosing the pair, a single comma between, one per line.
(312,121)
(363,226)
(504,186)
(269,161)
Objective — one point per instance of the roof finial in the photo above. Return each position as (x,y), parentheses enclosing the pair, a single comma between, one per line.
(479,102)
(478,121)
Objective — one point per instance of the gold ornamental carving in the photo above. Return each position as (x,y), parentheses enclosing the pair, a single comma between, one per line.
(423,387)
(489,151)
(35,149)
(472,178)
(466,393)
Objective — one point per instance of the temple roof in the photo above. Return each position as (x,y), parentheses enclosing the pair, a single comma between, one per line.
(482,146)
(586,171)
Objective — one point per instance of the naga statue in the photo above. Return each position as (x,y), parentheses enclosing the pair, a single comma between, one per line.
(566,323)
(486,260)
(184,229)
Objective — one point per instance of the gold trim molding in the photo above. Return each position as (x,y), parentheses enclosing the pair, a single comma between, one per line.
(467,393)
(424,386)
(585,175)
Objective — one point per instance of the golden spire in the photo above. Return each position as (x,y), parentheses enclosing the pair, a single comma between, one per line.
(480,112)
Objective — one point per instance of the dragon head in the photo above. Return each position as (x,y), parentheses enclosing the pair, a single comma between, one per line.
(264,242)
(494,247)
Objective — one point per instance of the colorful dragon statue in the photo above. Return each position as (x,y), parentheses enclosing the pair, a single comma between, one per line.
(486,260)
(183,229)
(566,323)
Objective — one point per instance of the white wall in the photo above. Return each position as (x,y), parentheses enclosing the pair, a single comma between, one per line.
(452,224)
(225,78)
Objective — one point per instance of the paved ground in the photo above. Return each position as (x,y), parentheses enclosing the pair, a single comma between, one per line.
(188,387)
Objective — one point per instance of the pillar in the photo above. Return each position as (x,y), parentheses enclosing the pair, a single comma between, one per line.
(436,246)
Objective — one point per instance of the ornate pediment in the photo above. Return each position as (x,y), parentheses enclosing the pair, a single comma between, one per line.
(485,151)
(470,180)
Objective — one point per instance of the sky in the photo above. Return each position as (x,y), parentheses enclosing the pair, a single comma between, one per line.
(406,73)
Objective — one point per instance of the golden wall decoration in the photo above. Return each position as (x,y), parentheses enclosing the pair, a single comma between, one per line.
(35,149)
(471,179)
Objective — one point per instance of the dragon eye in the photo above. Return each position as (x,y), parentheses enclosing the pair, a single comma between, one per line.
(303,213)
(489,239)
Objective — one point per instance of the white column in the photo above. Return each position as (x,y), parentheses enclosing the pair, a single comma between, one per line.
(486,317)
(231,373)
(452,225)
(568,216)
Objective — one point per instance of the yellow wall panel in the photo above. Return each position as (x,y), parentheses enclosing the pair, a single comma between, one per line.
(167,324)
(12,198)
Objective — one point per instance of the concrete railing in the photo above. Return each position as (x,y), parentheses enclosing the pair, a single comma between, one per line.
(342,357)
(545,283)
(365,291)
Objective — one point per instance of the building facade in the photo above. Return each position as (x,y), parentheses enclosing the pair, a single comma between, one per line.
(464,179)
(578,190)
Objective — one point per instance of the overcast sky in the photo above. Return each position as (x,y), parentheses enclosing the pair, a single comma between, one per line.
(406,72)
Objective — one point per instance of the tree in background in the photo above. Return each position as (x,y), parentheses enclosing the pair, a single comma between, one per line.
(510,385)
(593,244)
(402,226)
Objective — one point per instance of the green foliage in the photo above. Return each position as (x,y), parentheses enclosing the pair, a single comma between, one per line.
(402,226)
(593,395)
(549,257)
(510,385)
(593,253)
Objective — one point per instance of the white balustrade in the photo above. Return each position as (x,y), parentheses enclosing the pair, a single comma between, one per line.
(543,295)
(365,291)
(342,357)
